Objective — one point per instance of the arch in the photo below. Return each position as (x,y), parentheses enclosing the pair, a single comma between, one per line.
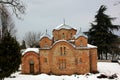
(30,62)
(81,41)
(64,42)
(45,37)
(62,61)
(28,52)
(45,41)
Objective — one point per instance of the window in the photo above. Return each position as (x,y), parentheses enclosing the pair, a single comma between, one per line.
(62,51)
(62,64)
(45,60)
(71,35)
(63,35)
(80,60)
(45,41)
(76,61)
(81,43)
(45,45)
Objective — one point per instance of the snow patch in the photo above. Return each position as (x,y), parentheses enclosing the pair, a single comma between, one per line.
(103,67)
(91,46)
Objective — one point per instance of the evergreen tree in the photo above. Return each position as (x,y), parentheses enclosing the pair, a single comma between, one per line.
(10,57)
(101,33)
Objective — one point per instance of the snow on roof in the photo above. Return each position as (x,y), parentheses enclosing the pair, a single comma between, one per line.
(46,35)
(91,46)
(80,47)
(63,26)
(31,49)
(64,41)
(80,33)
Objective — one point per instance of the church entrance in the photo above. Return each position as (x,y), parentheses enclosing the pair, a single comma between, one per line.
(31,67)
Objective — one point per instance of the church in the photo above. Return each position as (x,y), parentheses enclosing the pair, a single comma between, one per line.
(66,52)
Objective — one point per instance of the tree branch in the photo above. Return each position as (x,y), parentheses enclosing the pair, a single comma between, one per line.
(16,6)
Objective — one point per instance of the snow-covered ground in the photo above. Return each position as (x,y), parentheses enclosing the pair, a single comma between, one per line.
(106,68)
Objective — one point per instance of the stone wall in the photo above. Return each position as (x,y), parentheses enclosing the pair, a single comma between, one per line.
(93,60)
(45,42)
(68,34)
(81,41)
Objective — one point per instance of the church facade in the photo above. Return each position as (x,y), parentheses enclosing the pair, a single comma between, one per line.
(66,52)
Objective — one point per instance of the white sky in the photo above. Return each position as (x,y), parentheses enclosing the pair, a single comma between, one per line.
(48,14)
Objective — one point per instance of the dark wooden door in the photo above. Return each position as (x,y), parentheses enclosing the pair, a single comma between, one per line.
(31,68)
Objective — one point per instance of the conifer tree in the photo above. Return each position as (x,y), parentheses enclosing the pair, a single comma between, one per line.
(10,57)
(101,32)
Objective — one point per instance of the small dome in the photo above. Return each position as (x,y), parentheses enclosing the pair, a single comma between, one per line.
(46,35)
(80,33)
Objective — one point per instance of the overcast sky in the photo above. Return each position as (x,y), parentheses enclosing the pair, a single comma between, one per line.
(48,14)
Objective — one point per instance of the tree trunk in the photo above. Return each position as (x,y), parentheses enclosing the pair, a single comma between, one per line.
(98,55)
(1,78)
(112,56)
(106,55)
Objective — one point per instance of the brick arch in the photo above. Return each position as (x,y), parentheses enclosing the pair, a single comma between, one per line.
(45,40)
(69,58)
(63,42)
(79,39)
(26,58)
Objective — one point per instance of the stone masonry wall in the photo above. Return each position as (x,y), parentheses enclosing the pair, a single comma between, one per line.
(45,42)
(81,41)
(68,34)
(93,60)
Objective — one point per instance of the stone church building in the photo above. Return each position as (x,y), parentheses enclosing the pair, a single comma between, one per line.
(66,52)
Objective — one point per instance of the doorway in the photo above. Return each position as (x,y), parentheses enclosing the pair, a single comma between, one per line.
(31,67)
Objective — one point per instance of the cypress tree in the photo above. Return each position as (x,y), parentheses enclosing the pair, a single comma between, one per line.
(101,32)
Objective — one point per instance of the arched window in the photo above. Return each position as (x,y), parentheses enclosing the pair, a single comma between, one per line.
(45,60)
(71,35)
(62,51)
(45,44)
(31,62)
(76,61)
(80,60)
(63,35)
(81,43)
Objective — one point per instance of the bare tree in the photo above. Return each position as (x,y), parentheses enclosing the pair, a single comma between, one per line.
(16,5)
(32,39)
(6,22)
